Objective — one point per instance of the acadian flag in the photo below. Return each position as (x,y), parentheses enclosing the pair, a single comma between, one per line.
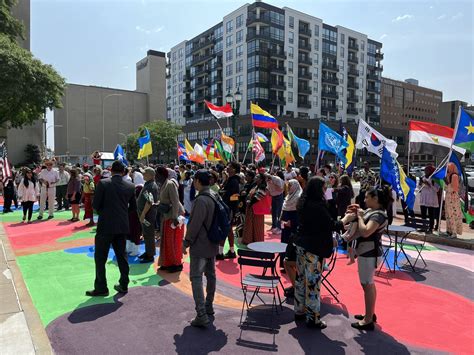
(227,145)
(261,118)
(277,140)
(302,145)
(219,111)
(392,172)
(145,145)
(464,135)
(257,149)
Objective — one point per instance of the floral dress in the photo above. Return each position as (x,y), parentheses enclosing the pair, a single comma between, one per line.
(453,211)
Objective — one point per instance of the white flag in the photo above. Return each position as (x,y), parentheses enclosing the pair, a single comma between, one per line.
(373,141)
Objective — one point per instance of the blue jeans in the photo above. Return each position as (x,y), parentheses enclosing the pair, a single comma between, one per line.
(277,204)
(197,267)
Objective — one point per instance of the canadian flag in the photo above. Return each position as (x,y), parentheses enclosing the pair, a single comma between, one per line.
(219,111)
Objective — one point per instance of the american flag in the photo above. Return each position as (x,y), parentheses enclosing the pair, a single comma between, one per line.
(4,164)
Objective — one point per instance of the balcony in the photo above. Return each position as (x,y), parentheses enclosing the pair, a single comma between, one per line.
(187,102)
(306,60)
(200,71)
(203,44)
(261,35)
(278,86)
(304,46)
(372,101)
(304,75)
(371,88)
(353,72)
(202,58)
(304,90)
(275,69)
(168,74)
(304,104)
(379,67)
(253,19)
(379,55)
(277,53)
(216,65)
(330,94)
(217,79)
(352,59)
(304,31)
(352,98)
(330,108)
(278,100)
(200,97)
(201,84)
(352,85)
(330,80)
(353,46)
(372,76)
(330,66)
(352,111)
(187,77)
(372,115)
(187,89)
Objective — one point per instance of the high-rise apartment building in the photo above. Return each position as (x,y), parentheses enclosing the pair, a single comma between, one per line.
(290,63)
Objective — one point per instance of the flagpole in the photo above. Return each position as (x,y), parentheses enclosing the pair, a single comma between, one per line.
(245,155)
(273,162)
(449,158)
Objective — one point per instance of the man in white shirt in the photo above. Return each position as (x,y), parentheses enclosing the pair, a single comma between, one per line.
(289,173)
(48,179)
(61,188)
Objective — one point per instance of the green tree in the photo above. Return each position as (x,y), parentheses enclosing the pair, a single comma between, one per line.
(163,135)
(33,154)
(27,86)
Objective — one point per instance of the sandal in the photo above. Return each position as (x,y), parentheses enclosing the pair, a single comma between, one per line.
(361,317)
(368,326)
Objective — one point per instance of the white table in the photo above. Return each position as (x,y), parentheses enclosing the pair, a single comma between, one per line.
(268,247)
(396,230)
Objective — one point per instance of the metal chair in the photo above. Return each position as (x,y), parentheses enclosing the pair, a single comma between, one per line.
(386,246)
(421,225)
(257,284)
(327,269)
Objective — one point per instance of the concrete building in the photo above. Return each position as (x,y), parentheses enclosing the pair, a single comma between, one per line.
(98,118)
(448,112)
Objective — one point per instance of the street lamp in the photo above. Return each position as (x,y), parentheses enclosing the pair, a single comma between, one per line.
(234,102)
(85,146)
(103,119)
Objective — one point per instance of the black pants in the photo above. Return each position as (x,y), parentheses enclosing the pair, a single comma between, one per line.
(431,211)
(27,207)
(7,203)
(406,211)
(102,246)
(149,238)
(61,197)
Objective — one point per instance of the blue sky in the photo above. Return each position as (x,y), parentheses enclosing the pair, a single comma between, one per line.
(98,42)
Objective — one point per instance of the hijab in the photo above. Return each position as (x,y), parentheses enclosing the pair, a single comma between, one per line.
(294,193)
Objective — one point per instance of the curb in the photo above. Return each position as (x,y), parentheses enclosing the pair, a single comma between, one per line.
(39,337)
(432,238)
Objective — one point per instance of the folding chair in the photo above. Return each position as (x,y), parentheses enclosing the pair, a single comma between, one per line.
(327,269)
(256,284)
(421,225)
(386,246)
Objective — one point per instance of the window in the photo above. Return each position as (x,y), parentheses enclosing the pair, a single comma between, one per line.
(239,79)
(291,22)
(342,52)
(290,52)
(180,100)
(228,55)
(316,45)
(290,96)
(290,82)
(239,66)
(181,63)
(228,41)
(329,48)
(343,38)
(290,67)
(219,46)
(174,66)
(180,53)
(175,101)
(329,35)
(239,51)
(174,56)
(228,84)
(291,37)
(228,69)
(316,58)
(362,45)
(316,30)
(239,36)
(218,32)
(362,58)
(239,21)
(180,76)
(228,26)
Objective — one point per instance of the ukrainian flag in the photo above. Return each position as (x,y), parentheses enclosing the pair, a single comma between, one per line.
(261,118)
(145,145)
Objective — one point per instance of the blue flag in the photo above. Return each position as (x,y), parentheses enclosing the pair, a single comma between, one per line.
(302,145)
(119,155)
(464,135)
(392,172)
(182,155)
(332,142)
(441,173)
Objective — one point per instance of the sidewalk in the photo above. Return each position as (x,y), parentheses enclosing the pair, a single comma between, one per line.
(21,331)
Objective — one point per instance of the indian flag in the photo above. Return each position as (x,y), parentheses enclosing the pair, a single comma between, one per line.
(227,144)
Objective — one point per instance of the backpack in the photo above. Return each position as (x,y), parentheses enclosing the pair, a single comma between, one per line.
(220,225)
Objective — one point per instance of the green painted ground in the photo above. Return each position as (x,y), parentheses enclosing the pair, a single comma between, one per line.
(89,233)
(16,216)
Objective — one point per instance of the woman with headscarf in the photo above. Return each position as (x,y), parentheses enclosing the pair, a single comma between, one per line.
(289,216)
(429,196)
(453,205)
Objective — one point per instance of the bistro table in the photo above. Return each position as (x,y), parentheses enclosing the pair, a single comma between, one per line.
(404,231)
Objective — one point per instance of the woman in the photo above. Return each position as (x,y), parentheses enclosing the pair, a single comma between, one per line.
(453,205)
(371,224)
(344,195)
(135,228)
(189,192)
(87,197)
(9,193)
(303,176)
(289,216)
(314,243)
(258,205)
(74,194)
(172,233)
(28,192)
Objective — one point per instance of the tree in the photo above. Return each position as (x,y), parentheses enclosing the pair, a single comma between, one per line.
(27,86)
(33,154)
(163,135)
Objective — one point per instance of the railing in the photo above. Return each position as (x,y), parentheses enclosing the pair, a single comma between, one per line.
(352,111)
(330,66)
(304,90)
(352,71)
(305,75)
(353,59)
(304,104)
(306,46)
(305,60)
(353,85)
(305,31)
(353,45)
(330,94)
(329,80)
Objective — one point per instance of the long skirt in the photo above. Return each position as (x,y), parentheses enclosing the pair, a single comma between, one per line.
(171,245)
(88,210)
(135,227)
(254,228)
(453,213)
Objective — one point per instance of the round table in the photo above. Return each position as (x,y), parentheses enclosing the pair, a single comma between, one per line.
(405,230)
(268,247)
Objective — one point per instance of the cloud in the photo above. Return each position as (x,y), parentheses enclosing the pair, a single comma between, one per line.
(431,7)
(149,31)
(442,17)
(457,16)
(402,18)
(383,36)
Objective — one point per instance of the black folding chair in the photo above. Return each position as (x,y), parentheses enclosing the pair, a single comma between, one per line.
(421,225)
(327,269)
(256,284)
(387,245)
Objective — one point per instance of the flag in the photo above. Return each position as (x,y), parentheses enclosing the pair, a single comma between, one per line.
(349,151)
(257,149)
(320,158)
(192,154)
(373,141)
(219,111)
(182,155)
(262,138)
(218,147)
(392,172)
(119,155)
(211,152)
(145,145)
(261,118)
(277,140)
(431,138)
(332,142)
(227,144)
(4,164)
(302,145)
(199,151)
(464,135)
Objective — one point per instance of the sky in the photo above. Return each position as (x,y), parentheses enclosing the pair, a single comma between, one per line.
(98,42)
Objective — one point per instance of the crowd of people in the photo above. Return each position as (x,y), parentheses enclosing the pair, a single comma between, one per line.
(309,207)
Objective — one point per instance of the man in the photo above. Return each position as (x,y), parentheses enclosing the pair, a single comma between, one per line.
(202,251)
(146,205)
(230,193)
(61,188)
(48,179)
(289,173)
(367,180)
(276,186)
(112,200)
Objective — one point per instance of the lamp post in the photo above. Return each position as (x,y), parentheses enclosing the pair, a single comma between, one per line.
(103,119)
(234,101)
(85,146)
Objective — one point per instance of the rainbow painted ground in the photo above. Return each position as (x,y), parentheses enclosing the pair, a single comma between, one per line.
(426,312)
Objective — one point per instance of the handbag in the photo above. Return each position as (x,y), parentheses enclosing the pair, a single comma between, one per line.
(163,208)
